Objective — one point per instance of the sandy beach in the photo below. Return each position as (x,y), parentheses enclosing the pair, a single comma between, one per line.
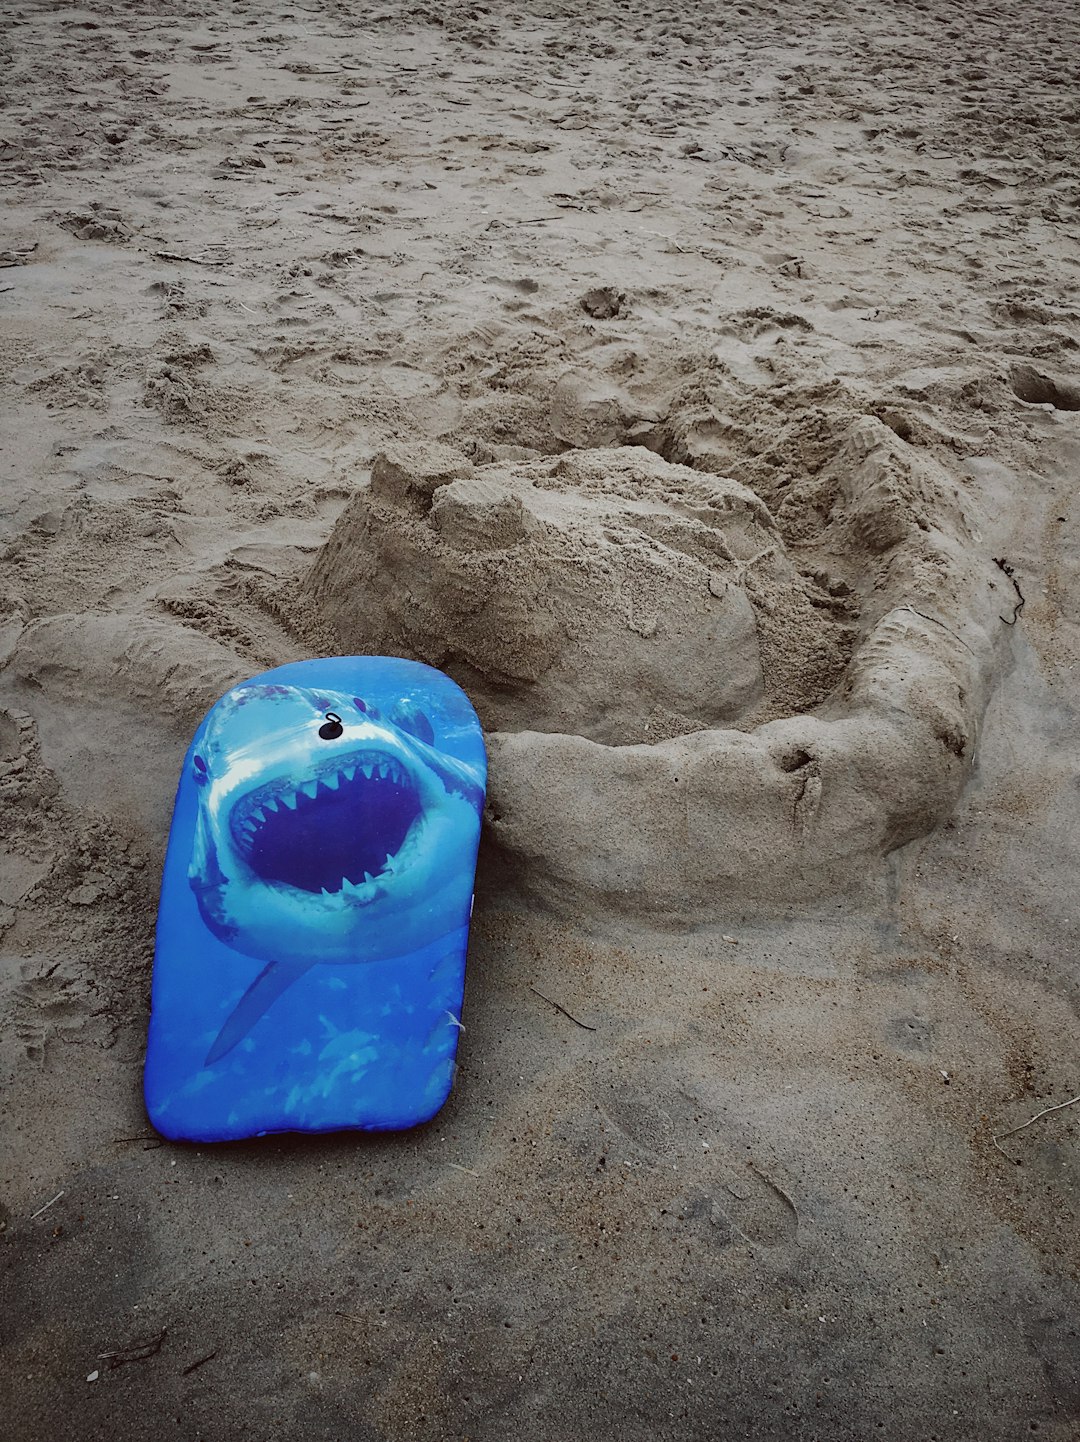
(699,387)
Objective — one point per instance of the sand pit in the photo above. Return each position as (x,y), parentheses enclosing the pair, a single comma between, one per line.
(699,386)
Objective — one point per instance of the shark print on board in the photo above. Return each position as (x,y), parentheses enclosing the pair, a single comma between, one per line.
(329,828)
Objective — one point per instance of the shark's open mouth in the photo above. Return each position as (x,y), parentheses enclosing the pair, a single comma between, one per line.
(339,831)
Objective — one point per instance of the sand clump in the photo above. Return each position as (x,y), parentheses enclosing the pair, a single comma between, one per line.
(605,593)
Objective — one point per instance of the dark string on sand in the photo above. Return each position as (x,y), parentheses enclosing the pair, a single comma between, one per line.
(1010,571)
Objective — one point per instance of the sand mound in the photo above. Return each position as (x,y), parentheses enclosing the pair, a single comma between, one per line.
(606,598)
(159,666)
(113,694)
(604,593)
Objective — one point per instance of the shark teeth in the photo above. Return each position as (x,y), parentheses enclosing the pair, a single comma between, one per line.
(324,834)
(359,891)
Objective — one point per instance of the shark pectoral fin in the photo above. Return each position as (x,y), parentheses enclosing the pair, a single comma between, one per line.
(260,996)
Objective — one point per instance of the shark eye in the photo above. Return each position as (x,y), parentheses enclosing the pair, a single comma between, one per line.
(201,772)
(331,728)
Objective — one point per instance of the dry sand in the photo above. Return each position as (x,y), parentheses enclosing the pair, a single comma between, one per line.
(700,387)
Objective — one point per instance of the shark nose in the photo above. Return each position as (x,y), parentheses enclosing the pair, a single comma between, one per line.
(331,728)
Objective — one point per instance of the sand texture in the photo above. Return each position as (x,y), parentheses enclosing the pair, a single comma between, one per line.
(700,388)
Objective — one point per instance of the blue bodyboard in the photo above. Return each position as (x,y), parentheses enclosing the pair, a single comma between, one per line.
(309,967)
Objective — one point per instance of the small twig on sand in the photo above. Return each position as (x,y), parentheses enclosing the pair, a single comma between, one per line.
(584,1026)
(194,1366)
(150,1142)
(191,259)
(46,1207)
(137,1352)
(534,220)
(1000,1136)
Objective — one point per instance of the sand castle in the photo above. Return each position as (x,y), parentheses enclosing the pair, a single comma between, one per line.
(680,704)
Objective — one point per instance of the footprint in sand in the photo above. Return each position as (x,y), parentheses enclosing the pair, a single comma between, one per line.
(742,1204)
